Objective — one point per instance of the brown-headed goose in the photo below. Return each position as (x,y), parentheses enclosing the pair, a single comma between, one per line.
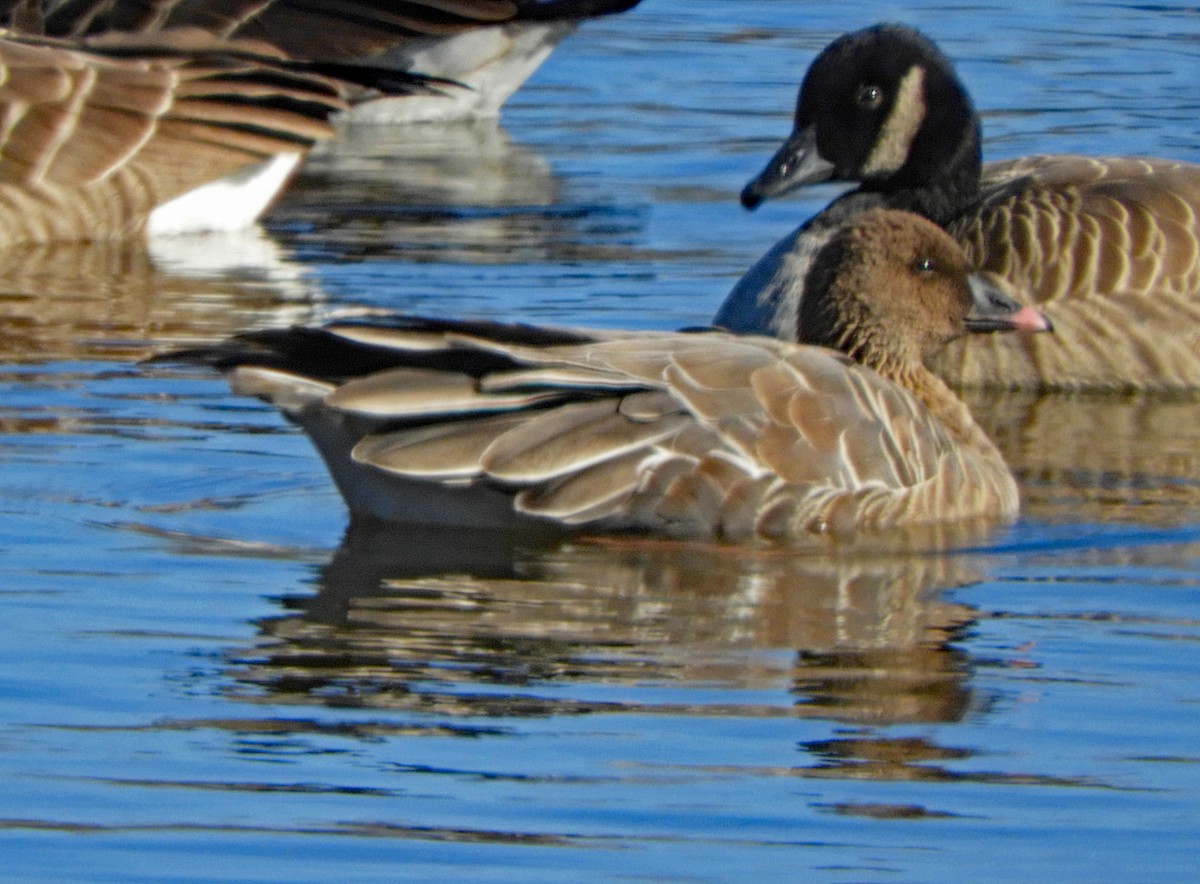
(1109,246)
(496,426)
(490,46)
(129,135)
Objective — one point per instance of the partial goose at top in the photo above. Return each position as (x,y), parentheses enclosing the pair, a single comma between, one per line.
(127,135)
(1109,246)
(490,426)
(490,46)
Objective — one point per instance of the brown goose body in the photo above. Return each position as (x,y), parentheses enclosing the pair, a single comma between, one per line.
(490,426)
(1109,246)
(338,31)
(108,139)
(490,46)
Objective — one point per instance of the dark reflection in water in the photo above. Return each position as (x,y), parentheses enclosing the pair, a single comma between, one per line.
(911,759)
(401,621)
(402,624)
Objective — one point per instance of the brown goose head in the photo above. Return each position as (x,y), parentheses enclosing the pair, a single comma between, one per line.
(891,288)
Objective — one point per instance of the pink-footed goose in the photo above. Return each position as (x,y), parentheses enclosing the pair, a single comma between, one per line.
(495,426)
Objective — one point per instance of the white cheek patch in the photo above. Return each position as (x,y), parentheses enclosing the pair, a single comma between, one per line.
(900,128)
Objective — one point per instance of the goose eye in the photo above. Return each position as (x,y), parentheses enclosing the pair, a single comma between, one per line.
(869,97)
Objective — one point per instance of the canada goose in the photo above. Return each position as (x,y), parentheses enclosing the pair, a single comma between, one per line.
(493,426)
(127,135)
(490,46)
(1110,246)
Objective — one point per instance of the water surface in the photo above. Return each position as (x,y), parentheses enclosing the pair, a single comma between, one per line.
(208,677)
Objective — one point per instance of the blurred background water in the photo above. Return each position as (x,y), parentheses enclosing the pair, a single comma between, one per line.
(206,677)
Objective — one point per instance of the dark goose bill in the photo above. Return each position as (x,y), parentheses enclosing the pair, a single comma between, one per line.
(993,309)
(797,162)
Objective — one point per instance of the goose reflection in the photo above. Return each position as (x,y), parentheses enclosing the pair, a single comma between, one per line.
(452,194)
(472,626)
(463,192)
(453,164)
(1099,457)
(117,300)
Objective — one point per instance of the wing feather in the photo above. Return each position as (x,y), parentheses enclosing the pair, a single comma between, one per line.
(441,452)
(685,433)
(594,493)
(412,392)
(572,438)
(93,138)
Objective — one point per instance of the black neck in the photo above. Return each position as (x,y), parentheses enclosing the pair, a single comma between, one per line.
(940,184)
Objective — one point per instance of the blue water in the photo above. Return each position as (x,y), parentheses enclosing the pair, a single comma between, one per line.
(207,679)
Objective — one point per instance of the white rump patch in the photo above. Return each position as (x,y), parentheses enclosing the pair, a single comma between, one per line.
(230,203)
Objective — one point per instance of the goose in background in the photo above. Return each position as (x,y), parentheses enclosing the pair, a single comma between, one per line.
(128,135)
(1108,246)
(490,46)
(493,426)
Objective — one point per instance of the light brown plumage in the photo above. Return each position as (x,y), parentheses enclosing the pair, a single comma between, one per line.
(695,434)
(95,136)
(1110,248)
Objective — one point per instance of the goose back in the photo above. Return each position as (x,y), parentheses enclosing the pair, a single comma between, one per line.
(680,434)
(1110,248)
(316,31)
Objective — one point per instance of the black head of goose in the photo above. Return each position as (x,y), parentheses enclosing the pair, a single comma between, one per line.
(883,107)
(1109,245)
(126,135)
(492,426)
